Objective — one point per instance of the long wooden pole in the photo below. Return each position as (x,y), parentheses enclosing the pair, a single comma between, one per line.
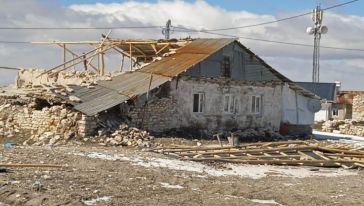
(101,45)
(10,68)
(30,165)
(56,67)
(77,55)
(80,61)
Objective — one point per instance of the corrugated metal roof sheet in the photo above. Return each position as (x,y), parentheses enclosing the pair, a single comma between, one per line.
(324,90)
(134,83)
(95,100)
(108,94)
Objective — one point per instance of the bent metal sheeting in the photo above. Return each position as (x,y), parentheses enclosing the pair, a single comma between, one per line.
(108,94)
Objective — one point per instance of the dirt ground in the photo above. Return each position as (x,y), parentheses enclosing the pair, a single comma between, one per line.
(98,175)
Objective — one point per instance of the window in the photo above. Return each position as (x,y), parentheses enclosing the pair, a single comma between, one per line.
(198,102)
(225,67)
(335,112)
(230,104)
(256,104)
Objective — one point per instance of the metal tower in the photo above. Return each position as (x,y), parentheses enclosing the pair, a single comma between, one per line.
(167,30)
(317,30)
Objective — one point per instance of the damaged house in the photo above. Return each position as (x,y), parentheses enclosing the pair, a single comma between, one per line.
(202,85)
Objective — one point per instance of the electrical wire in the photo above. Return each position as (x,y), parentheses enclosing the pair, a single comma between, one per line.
(280,42)
(80,28)
(271,22)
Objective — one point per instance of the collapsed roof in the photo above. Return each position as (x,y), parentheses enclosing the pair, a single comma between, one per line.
(163,60)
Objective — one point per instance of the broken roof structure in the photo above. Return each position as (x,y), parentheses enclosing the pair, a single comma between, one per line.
(212,84)
(178,57)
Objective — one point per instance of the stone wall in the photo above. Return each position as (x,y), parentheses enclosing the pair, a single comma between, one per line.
(348,126)
(358,107)
(174,110)
(17,120)
(157,116)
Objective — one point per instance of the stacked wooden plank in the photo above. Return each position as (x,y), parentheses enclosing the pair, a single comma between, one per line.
(308,153)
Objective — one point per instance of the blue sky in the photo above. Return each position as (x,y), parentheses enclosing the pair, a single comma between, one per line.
(260,6)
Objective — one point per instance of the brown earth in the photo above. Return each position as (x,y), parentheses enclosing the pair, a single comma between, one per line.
(87,178)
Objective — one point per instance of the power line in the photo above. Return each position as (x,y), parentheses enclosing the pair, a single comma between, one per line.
(80,28)
(231,36)
(15,42)
(271,22)
(280,42)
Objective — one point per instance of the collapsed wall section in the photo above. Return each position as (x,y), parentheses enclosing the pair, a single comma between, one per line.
(26,120)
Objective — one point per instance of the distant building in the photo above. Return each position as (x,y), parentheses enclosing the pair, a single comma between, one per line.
(345,103)
(327,92)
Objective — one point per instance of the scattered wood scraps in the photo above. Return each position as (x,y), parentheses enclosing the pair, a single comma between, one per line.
(293,153)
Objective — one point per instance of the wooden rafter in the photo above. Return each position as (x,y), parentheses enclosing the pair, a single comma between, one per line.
(77,55)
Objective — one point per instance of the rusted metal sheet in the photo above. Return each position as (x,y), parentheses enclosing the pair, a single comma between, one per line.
(186,57)
(95,100)
(134,83)
(108,94)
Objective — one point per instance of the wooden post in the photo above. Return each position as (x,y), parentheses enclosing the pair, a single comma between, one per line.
(122,62)
(64,55)
(84,61)
(131,58)
(73,62)
(101,62)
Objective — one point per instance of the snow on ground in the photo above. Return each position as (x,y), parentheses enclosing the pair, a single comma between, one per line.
(243,170)
(167,185)
(357,141)
(273,202)
(98,199)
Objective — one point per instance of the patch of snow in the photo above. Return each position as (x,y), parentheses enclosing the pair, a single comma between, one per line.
(265,201)
(243,170)
(95,200)
(167,185)
(356,141)
(98,155)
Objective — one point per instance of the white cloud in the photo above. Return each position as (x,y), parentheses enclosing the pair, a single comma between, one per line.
(293,61)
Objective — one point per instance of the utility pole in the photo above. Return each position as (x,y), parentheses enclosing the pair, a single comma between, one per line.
(167,30)
(316,30)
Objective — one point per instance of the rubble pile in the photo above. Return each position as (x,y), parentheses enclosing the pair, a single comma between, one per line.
(348,126)
(358,107)
(123,136)
(48,125)
(28,78)
(258,134)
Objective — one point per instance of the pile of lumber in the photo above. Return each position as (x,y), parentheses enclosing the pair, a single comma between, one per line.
(305,153)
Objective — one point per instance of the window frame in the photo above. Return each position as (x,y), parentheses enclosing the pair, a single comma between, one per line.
(200,102)
(230,104)
(254,106)
(226,67)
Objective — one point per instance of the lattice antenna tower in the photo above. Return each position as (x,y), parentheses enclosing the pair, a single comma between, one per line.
(317,30)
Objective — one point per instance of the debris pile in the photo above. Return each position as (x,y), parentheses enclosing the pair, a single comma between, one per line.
(29,78)
(258,134)
(358,107)
(348,126)
(298,153)
(123,136)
